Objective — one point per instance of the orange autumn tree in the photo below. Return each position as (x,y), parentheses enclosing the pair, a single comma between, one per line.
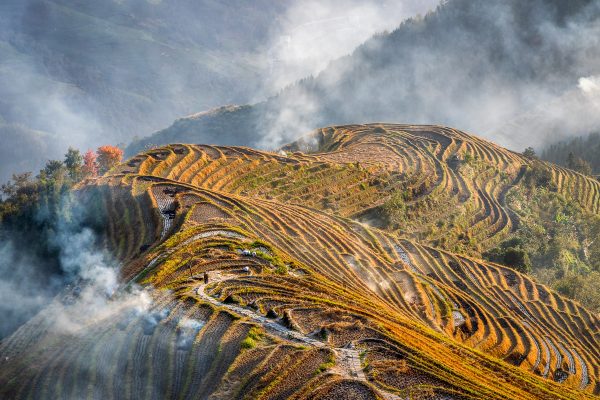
(90,167)
(108,157)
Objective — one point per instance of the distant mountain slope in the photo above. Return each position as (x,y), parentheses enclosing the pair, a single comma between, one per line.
(18,145)
(97,72)
(470,64)
(302,302)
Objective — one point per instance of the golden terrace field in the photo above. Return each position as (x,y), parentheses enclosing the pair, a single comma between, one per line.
(311,293)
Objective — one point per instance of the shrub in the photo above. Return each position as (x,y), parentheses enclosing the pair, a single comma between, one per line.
(395,208)
(468,158)
(248,343)
(539,176)
(512,254)
(281,269)
(326,365)
(584,288)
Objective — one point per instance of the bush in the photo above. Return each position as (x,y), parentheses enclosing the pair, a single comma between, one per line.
(281,269)
(511,254)
(395,208)
(583,288)
(248,343)
(326,365)
(517,259)
(539,176)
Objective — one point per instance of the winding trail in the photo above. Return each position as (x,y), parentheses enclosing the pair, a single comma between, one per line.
(347,363)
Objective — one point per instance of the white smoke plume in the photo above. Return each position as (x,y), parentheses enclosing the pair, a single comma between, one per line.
(86,289)
(93,292)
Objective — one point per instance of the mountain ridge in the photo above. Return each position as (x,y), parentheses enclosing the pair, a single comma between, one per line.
(286,267)
(398,76)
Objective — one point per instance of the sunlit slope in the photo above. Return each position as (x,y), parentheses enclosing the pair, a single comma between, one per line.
(487,307)
(303,301)
(179,349)
(454,185)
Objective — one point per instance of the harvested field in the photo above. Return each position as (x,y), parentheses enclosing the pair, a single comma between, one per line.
(270,278)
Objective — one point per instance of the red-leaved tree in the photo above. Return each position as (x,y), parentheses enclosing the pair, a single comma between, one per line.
(90,168)
(108,157)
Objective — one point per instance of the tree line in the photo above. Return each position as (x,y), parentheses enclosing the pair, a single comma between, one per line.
(581,154)
(24,194)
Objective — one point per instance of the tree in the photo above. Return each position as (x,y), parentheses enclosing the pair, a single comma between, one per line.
(90,167)
(52,168)
(571,160)
(529,153)
(74,163)
(539,176)
(20,193)
(108,157)
(584,288)
(579,164)
(394,209)
(512,254)
(517,259)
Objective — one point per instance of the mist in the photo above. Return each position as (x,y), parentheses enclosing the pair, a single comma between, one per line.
(74,273)
(574,113)
(520,75)
(85,74)
(510,72)
(317,32)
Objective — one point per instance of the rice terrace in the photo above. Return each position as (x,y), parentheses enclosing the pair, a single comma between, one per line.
(304,200)
(303,301)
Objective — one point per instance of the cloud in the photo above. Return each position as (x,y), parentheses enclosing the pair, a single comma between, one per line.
(509,72)
(590,85)
(574,112)
(313,33)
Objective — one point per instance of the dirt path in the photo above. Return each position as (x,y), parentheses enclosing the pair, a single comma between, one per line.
(270,326)
(347,363)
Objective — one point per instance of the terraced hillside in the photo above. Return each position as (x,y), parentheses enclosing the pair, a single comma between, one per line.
(454,185)
(303,300)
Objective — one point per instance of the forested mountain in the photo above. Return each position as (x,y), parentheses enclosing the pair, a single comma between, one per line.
(576,153)
(478,65)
